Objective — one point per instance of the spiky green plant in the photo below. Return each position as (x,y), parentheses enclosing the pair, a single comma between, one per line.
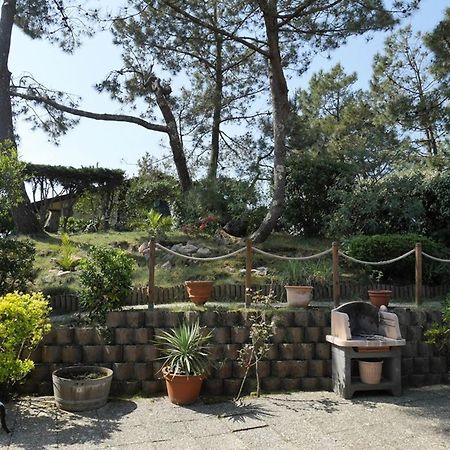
(185,350)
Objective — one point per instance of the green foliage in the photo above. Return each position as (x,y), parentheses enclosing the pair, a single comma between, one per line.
(105,278)
(66,259)
(75,224)
(157,225)
(185,350)
(439,334)
(16,265)
(23,324)
(11,181)
(389,246)
(228,199)
(308,272)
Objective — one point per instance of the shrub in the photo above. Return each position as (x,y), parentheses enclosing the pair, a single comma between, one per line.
(439,334)
(67,260)
(23,324)
(16,265)
(157,225)
(389,246)
(105,278)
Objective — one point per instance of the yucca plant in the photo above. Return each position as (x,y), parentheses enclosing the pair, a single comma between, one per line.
(185,350)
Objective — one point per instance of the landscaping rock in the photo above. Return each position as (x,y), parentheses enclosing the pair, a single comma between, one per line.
(203,252)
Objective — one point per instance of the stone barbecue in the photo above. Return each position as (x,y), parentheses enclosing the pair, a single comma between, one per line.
(361,331)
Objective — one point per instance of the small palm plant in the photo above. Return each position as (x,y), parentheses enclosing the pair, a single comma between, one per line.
(185,350)
(185,361)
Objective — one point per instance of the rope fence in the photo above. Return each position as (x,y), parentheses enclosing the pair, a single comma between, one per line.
(249,250)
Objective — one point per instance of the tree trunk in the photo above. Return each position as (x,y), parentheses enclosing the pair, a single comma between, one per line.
(24,218)
(215,131)
(280,116)
(176,145)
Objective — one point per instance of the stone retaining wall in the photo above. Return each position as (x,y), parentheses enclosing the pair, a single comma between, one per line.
(299,357)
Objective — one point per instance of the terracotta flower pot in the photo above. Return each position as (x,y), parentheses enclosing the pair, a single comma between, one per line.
(380,297)
(299,295)
(183,389)
(370,371)
(199,291)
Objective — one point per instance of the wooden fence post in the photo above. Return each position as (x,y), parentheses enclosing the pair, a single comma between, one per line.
(248,272)
(336,285)
(151,274)
(418,274)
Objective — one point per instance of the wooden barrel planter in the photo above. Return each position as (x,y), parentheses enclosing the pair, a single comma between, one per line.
(81,388)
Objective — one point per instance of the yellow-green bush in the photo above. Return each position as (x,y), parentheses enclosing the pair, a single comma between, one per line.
(23,323)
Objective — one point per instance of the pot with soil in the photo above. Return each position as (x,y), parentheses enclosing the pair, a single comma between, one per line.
(299,296)
(81,388)
(370,371)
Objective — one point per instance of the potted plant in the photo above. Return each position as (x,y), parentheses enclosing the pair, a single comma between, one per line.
(300,295)
(379,297)
(81,388)
(198,290)
(185,361)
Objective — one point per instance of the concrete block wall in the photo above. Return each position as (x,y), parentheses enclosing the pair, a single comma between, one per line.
(299,357)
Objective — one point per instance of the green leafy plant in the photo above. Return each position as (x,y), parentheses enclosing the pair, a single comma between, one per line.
(439,334)
(157,225)
(16,265)
(67,260)
(185,350)
(261,331)
(23,324)
(308,272)
(105,278)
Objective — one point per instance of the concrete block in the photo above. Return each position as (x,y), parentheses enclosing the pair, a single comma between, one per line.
(221,335)
(64,335)
(51,354)
(223,370)
(271,384)
(149,353)
(299,369)
(239,335)
(142,336)
(112,353)
(123,371)
(438,364)
(407,366)
(302,318)
(281,369)
(313,334)
(153,318)
(319,318)
(287,351)
(123,336)
(116,319)
(316,368)
(290,384)
(416,380)
(71,354)
(152,387)
(421,365)
(239,371)
(309,384)
(36,354)
(279,335)
(272,352)
(231,386)
(325,384)
(41,372)
(131,387)
(172,319)
(414,333)
(425,350)
(50,337)
(143,371)
(209,319)
(215,352)
(191,317)
(132,353)
(404,316)
(44,388)
(295,334)
(264,368)
(432,378)
(323,350)
(213,386)
(86,336)
(230,351)
(135,319)
(92,354)
(410,350)
(304,351)
(284,319)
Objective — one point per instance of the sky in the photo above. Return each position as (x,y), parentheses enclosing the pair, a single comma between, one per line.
(120,145)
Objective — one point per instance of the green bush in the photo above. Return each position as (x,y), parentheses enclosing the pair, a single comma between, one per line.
(388,246)
(439,334)
(105,278)
(67,259)
(23,324)
(16,265)
(157,225)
